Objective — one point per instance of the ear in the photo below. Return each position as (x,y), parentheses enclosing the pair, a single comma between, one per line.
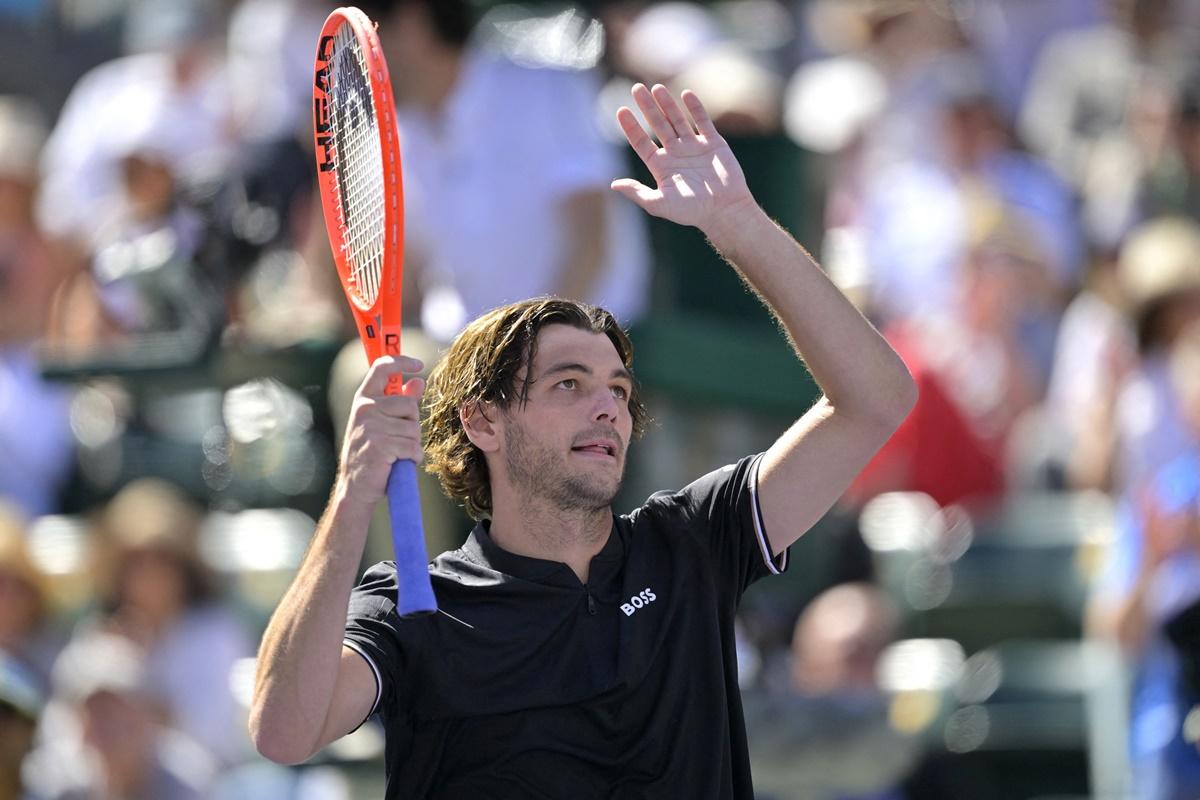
(482,430)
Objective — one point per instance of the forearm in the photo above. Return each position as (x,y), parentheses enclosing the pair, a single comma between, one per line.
(855,367)
(301,649)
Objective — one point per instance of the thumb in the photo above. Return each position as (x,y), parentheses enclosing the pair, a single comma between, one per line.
(636,191)
(414,387)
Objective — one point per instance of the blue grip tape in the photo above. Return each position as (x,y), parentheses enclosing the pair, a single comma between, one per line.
(415,594)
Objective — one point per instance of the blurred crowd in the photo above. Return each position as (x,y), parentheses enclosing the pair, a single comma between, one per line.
(1008,189)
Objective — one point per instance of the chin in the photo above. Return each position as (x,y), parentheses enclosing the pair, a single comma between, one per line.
(592,492)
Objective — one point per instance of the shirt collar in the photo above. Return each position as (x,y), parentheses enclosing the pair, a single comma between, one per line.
(482,549)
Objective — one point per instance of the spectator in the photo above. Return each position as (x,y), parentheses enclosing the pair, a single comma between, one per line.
(913,253)
(112,741)
(1160,270)
(826,735)
(173,74)
(872,105)
(1095,353)
(977,375)
(1110,392)
(155,590)
(24,602)
(1151,588)
(1092,94)
(144,273)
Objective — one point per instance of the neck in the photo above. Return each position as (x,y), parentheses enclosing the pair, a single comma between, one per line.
(535,529)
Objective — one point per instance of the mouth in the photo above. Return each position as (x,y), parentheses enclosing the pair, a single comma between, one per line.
(599,448)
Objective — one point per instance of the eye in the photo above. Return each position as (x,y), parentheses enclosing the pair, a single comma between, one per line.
(620,392)
(568,384)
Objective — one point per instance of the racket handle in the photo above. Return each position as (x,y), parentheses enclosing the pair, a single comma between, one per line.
(415,593)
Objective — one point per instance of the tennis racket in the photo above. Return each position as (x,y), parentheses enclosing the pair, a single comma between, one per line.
(358,169)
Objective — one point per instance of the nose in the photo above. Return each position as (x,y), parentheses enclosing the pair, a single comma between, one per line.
(606,406)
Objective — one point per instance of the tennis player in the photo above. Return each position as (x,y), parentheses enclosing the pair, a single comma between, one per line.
(577,653)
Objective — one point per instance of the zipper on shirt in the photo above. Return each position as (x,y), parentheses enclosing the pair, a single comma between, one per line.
(591,600)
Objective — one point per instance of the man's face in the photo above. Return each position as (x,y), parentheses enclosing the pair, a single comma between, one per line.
(568,443)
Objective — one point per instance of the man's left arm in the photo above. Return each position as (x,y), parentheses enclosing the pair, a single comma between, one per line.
(867,389)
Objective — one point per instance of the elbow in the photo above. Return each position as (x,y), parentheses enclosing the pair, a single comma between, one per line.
(276,742)
(895,400)
(907,396)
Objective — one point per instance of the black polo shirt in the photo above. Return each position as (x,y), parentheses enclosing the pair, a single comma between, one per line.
(531,684)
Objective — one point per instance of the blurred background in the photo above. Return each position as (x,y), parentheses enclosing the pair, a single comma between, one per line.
(1006,604)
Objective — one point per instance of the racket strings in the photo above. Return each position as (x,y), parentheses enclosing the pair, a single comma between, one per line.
(359,166)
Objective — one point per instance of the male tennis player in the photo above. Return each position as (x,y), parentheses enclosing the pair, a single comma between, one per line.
(577,653)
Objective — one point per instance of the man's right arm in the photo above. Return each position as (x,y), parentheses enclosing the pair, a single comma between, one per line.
(309,688)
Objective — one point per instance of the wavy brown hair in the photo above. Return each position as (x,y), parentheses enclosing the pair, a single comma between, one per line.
(483,365)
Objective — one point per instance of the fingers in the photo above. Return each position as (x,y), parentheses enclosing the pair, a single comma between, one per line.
(375,382)
(637,137)
(396,406)
(665,117)
(384,427)
(655,118)
(699,113)
(666,101)
(367,458)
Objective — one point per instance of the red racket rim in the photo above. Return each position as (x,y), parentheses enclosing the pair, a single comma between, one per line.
(379,321)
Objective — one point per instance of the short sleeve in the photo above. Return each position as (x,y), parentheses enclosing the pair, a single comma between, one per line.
(721,511)
(374,631)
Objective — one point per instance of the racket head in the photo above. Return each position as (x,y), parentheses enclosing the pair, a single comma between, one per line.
(359,174)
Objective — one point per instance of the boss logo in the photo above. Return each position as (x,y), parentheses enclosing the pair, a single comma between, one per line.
(640,600)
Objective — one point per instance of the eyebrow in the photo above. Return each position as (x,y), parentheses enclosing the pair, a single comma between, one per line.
(572,366)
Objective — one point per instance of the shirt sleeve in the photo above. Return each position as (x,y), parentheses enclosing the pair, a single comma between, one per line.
(721,511)
(375,632)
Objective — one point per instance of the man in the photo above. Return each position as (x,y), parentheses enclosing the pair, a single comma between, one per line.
(577,653)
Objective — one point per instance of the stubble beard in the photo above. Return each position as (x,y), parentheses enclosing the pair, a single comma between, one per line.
(539,472)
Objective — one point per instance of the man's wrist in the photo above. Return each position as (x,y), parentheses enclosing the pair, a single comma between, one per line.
(349,506)
(736,225)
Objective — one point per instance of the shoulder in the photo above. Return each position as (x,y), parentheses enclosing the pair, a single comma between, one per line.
(700,496)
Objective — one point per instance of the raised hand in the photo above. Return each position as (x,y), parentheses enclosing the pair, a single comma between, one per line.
(699,182)
(383,428)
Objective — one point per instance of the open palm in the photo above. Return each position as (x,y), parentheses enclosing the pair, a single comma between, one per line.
(698,179)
